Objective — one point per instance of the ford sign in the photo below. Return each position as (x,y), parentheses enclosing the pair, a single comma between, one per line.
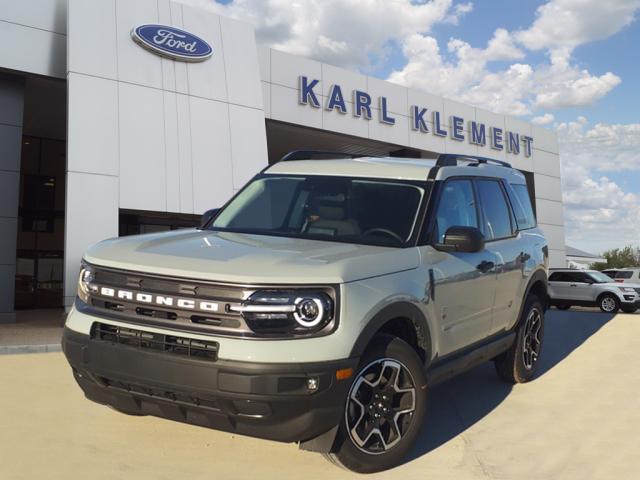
(172,43)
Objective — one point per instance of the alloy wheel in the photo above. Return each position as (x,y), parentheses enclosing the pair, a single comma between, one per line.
(532,341)
(380,406)
(608,304)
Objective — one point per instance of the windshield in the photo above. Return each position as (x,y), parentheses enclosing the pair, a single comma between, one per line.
(600,277)
(341,209)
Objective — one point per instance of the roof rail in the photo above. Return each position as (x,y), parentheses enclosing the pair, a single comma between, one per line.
(451,160)
(310,154)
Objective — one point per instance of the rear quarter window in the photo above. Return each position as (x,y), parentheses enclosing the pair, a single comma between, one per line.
(521,203)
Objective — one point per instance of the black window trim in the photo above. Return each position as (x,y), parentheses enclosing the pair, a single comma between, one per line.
(512,219)
(509,187)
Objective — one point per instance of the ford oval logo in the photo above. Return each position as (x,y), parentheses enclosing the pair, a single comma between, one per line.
(172,43)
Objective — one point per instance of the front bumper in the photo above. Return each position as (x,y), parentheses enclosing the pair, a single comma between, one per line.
(269,401)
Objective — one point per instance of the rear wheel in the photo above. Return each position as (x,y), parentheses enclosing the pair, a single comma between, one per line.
(563,307)
(609,303)
(384,409)
(518,364)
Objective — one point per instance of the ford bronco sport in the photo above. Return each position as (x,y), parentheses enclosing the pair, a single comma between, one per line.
(320,304)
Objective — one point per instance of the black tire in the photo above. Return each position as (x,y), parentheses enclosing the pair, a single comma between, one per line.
(392,357)
(518,364)
(629,309)
(563,307)
(608,303)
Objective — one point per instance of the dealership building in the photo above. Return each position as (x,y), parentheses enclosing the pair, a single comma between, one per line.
(132,116)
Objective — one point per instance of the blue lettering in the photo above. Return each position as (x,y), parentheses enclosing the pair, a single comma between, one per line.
(527,145)
(478,133)
(384,114)
(437,128)
(496,138)
(305,89)
(336,99)
(456,128)
(513,143)
(362,104)
(417,119)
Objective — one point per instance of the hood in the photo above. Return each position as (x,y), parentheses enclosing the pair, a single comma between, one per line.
(245,258)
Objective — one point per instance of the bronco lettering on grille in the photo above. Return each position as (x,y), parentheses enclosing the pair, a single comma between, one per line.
(161,300)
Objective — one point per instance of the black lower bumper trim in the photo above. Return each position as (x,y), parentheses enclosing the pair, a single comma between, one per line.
(269,401)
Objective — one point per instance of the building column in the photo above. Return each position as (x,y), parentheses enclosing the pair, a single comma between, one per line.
(11,108)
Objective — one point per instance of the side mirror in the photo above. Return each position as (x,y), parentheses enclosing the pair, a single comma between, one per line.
(208,216)
(462,239)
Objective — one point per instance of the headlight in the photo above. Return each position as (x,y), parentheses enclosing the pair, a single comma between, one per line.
(291,311)
(85,283)
(627,289)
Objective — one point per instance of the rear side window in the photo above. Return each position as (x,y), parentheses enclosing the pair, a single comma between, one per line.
(497,216)
(624,275)
(521,202)
(557,277)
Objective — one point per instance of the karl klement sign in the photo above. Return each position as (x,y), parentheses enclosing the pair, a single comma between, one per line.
(478,133)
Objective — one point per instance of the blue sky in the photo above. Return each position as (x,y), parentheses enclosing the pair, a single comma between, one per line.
(569,65)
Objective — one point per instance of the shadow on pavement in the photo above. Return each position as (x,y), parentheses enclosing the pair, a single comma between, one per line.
(459,403)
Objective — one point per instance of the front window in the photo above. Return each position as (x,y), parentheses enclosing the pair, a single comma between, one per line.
(342,209)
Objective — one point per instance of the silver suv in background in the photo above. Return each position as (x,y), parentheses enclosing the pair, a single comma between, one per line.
(591,288)
(628,275)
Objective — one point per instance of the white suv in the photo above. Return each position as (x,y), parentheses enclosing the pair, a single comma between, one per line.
(591,288)
(320,304)
(628,275)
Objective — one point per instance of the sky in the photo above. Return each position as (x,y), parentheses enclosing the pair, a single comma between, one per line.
(572,66)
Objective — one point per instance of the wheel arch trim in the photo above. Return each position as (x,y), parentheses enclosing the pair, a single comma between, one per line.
(396,310)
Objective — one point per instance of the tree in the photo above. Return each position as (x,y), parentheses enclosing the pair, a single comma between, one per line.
(619,258)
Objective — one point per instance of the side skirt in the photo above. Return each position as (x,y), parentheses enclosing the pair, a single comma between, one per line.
(458,362)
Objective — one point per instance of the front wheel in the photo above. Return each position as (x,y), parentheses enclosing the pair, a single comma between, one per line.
(629,309)
(609,303)
(518,364)
(384,409)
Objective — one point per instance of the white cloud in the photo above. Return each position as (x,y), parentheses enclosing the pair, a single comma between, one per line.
(347,33)
(565,24)
(599,213)
(603,147)
(545,119)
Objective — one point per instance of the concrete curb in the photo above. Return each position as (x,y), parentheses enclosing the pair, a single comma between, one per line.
(12,349)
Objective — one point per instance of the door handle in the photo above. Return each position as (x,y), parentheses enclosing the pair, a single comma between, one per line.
(485,266)
(573,285)
(523,257)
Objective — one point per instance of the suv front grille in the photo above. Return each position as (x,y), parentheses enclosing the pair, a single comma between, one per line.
(171,344)
(637,290)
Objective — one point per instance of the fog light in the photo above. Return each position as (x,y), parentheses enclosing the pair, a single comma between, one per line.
(312,384)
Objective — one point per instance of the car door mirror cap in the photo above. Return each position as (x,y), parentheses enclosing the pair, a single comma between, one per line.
(461,239)
(208,216)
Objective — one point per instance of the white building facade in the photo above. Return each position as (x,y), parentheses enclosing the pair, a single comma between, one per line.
(103,135)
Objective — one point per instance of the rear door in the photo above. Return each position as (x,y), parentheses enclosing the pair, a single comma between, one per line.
(559,286)
(508,247)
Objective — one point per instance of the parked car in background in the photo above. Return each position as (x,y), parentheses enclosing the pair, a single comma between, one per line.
(591,288)
(628,275)
(611,272)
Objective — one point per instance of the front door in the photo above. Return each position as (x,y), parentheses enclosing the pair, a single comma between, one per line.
(464,283)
